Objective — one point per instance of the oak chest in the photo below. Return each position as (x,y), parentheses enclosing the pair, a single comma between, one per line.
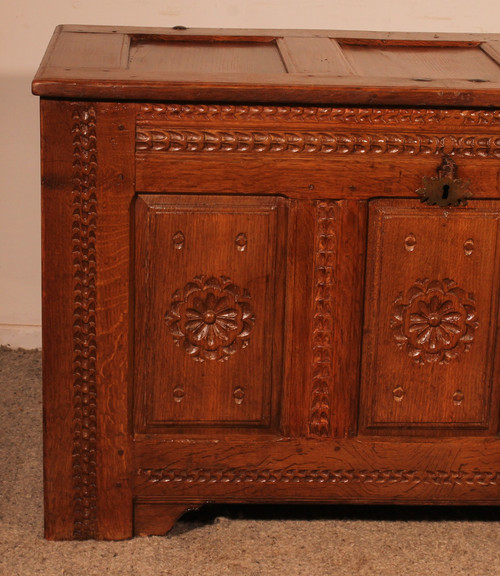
(270,272)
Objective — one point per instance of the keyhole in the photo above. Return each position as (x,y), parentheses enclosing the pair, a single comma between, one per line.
(446,191)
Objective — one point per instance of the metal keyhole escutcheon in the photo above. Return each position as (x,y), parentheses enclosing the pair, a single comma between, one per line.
(445,189)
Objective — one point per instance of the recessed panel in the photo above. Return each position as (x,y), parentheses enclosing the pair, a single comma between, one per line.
(201,56)
(430,316)
(422,62)
(209,311)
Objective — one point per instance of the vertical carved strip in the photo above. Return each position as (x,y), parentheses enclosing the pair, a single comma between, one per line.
(84,321)
(322,328)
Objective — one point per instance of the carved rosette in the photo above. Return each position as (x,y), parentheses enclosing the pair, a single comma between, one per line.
(435,321)
(84,227)
(211,318)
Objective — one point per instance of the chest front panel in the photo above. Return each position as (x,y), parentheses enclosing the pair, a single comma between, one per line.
(278,302)
(209,342)
(432,278)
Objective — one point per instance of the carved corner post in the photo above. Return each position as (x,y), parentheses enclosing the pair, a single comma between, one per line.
(87,190)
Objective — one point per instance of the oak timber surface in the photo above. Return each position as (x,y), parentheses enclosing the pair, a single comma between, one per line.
(258,66)
(248,301)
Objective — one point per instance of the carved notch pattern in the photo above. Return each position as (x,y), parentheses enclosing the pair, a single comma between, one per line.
(364,116)
(158,139)
(317,476)
(322,328)
(435,322)
(211,318)
(84,321)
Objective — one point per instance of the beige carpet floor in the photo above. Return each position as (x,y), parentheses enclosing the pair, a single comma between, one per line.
(239,541)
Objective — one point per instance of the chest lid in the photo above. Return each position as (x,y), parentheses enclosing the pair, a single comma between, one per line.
(310,67)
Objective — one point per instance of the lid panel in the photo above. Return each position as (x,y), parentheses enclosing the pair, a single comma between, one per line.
(77,50)
(422,62)
(314,55)
(282,66)
(204,57)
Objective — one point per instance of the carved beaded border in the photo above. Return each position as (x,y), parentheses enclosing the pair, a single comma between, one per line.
(322,327)
(252,139)
(328,142)
(318,476)
(84,321)
(363,116)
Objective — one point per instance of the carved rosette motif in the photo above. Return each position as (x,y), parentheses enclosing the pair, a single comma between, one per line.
(322,328)
(84,321)
(211,318)
(435,321)
(318,476)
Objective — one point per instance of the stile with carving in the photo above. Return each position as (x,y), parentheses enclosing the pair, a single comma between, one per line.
(270,278)
(84,333)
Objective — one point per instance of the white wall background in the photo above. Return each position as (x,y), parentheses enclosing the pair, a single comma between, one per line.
(25,29)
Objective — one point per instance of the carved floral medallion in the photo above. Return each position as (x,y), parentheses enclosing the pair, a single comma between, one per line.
(211,318)
(435,321)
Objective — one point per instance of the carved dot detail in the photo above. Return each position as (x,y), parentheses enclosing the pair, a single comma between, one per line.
(239,395)
(410,242)
(241,242)
(178,394)
(398,394)
(178,240)
(434,320)
(469,247)
(209,317)
(458,398)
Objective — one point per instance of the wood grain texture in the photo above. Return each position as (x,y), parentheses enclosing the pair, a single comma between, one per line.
(84,228)
(241,141)
(220,319)
(157,518)
(422,62)
(335,116)
(322,314)
(58,319)
(79,267)
(249,302)
(435,321)
(326,471)
(313,67)
(115,191)
(211,57)
(305,179)
(348,315)
(313,55)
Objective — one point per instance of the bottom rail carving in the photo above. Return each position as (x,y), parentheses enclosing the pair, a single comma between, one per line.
(237,475)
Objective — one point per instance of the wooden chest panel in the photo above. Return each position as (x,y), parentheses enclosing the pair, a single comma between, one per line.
(431,305)
(209,311)
(270,272)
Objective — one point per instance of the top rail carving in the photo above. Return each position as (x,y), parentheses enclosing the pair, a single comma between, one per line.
(353,116)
